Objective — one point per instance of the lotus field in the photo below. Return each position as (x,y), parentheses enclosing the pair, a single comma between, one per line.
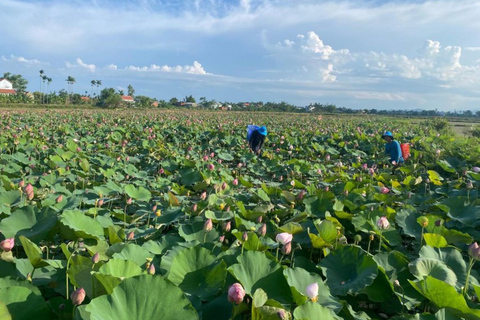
(169,215)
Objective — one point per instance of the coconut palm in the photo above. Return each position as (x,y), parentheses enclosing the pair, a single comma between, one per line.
(98,83)
(93,82)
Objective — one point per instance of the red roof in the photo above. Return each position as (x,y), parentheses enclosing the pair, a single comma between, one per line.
(8,91)
(127,98)
(85,98)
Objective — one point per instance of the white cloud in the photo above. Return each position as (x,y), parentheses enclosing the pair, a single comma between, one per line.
(80,63)
(112,67)
(472,48)
(13,58)
(196,68)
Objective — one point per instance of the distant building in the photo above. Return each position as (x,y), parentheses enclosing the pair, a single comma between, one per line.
(85,99)
(128,99)
(6,87)
(154,104)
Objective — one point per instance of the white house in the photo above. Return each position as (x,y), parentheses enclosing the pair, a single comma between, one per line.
(6,87)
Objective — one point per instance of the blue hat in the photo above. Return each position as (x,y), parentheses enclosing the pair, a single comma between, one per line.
(262,130)
(387,134)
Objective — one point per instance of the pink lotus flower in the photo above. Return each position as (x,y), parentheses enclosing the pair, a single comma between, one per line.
(312,291)
(208,225)
(474,251)
(78,296)
(7,244)
(383,223)
(284,238)
(236,293)
(384,190)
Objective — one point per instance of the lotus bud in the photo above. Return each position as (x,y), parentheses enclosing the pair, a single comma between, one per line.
(427,181)
(437,152)
(7,244)
(262,231)
(287,248)
(469,184)
(28,189)
(239,165)
(151,269)
(221,238)
(282,315)
(476,169)
(227,226)
(245,236)
(397,283)
(357,238)
(301,195)
(384,190)
(211,167)
(129,201)
(78,296)
(312,291)
(161,171)
(259,219)
(21,184)
(327,157)
(423,221)
(224,186)
(383,223)
(29,277)
(227,208)
(474,251)
(327,188)
(208,225)
(292,183)
(154,208)
(235,182)
(284,238)
(371,237)
(130,236)
(194,207)
(203,196)
(281,178)
(59,198)
(236,293)
(319,171)
(100,202)
(96,258)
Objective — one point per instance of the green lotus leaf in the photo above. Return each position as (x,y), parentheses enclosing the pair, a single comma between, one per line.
(423,267)
(121,268)
(8,199)
(4,314)
(81,225)
(312,310)
(139,193)
(143,297)
(444,295)
(299,279)
(22,303)
(196,272)
(194,231)
(29,222)
(435,240)
(33,252)
(134,253)
(254,270)
(348,269)
(10,282)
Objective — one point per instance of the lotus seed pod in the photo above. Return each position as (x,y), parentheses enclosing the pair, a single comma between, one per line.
(357,238)
(78,296)
(236,293)
(423,221)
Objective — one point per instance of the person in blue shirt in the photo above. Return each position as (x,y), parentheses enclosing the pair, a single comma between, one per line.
(392,148)
(257,139)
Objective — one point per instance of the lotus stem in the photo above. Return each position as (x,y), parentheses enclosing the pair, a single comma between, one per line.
(421,238)
(470,265)
(380,243)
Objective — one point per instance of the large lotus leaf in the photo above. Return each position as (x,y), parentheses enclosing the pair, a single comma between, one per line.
(435,240)
(4,314)
(407,219)
(423,267)
(190,177)
(193,230)
(9,199)
(254,270)
(348,269)
(194,270)
(444,295)
(29,222)
(299,279)
(10,282)
(34,253)
(82,226)
(143,297)
(461,211)
(121,268)
(22,303)
(7,269)
(134,253)
(453,258)
(312,310)
(139,193)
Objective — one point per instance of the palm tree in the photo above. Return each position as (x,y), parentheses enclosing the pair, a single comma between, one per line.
(41,77)
(93,82)
(49,80)
(70,81)
(44,78)
(99,83)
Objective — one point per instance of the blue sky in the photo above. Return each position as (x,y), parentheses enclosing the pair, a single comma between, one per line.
(357,54)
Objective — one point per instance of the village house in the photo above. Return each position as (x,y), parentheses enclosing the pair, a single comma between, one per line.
(6,87)
(128,99)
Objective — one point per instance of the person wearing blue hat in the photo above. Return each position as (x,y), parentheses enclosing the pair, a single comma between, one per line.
(392,147)
(257,139)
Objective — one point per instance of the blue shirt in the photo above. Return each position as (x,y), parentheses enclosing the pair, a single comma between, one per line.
(393,149)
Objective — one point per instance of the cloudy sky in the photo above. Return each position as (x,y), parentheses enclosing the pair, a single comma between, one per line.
(356,54)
